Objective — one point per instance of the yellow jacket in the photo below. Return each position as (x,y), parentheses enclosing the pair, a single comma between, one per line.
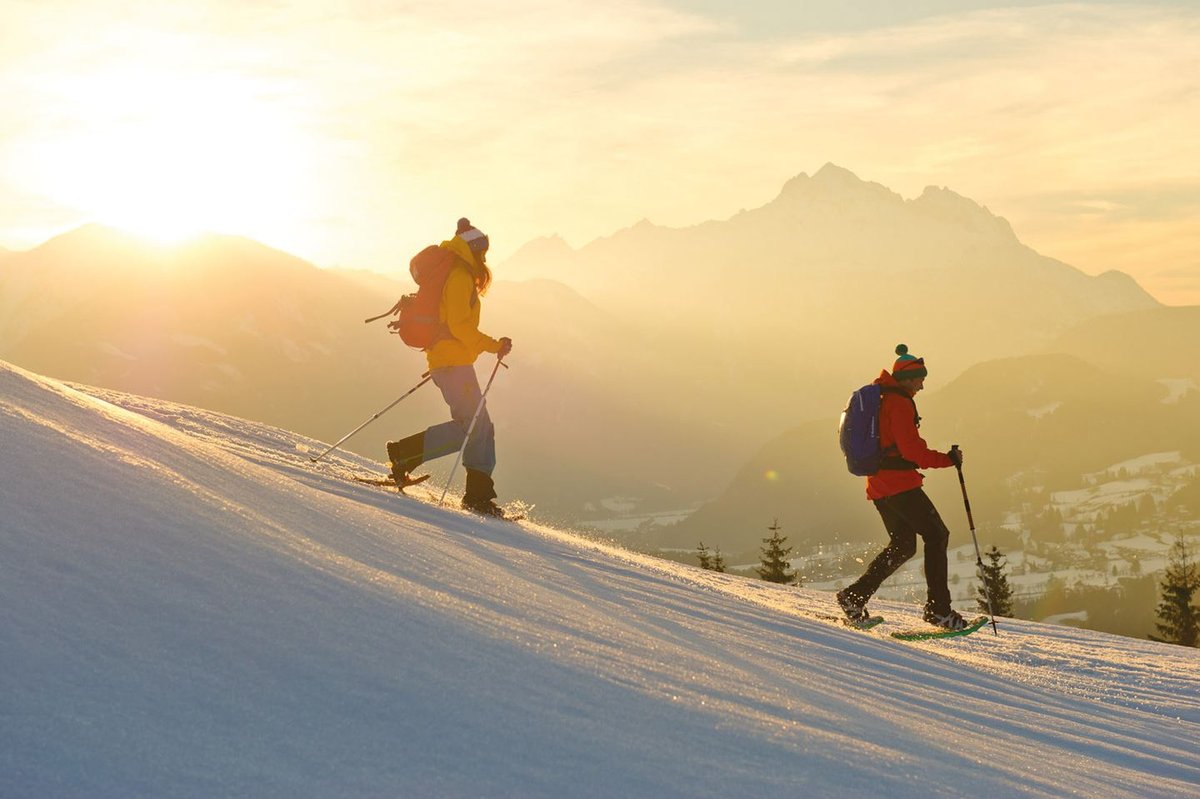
(459,311)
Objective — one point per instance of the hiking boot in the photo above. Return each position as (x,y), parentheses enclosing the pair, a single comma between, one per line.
(480,493)
(854,607)
(950,621)
(406,455)
(485,507)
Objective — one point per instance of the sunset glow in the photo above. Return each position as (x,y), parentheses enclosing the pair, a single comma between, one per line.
(349,135)
(170,155)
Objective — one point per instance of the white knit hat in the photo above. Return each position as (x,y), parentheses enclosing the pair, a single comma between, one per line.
(472,235)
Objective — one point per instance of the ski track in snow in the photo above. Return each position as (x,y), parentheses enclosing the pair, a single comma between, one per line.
(189,607)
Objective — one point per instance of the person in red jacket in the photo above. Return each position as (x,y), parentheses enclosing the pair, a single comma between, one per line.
(896,491)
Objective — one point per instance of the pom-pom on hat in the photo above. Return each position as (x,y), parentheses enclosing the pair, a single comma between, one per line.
(908,367)
(471,235)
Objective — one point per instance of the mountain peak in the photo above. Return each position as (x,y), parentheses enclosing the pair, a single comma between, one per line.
(543,248)
(91,233)
(950,206)
(95,238)
(832,173)
(941,196)
(832,180)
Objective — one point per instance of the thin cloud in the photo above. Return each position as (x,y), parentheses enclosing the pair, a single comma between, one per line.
(578,118)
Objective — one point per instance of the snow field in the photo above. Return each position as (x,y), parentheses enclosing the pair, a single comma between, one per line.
(188,607)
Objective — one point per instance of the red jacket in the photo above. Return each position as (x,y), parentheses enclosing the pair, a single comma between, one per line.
(898,429)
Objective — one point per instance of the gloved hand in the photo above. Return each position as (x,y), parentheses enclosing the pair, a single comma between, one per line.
(956,455)
(505,347)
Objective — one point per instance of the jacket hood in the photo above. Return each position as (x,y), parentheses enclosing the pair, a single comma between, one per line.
(463,250)
(885,379)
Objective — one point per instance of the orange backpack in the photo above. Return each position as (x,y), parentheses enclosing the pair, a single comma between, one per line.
(418,323)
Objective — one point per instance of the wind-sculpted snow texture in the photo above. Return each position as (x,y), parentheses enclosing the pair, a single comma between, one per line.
(188,607)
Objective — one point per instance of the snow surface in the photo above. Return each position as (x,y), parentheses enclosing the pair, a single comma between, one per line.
(188,607)
(1177,389)
(1044,410)
(1140,465)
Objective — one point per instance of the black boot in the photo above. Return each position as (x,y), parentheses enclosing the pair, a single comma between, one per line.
(950,620)
(480,493)
(854,606)
(406,455)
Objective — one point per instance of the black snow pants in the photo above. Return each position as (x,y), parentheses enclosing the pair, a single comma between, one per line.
(907,516)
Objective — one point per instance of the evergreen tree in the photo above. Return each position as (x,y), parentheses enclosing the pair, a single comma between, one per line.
(995,583)
(703,556)
(1179,619)
(775,568)
(718,562)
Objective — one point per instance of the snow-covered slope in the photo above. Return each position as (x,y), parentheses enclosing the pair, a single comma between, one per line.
(189,608)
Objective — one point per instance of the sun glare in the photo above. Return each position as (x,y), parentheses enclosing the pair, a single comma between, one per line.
(165,228)
(166,157)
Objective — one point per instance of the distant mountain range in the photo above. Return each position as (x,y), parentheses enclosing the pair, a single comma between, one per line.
(650,364)
(775,314)
(836,266)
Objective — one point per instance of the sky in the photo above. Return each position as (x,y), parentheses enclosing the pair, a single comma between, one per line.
(354,133)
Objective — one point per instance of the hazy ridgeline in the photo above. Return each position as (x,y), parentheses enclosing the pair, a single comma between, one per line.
(654,363)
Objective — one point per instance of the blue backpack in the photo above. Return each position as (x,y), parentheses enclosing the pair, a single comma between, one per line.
(858,433)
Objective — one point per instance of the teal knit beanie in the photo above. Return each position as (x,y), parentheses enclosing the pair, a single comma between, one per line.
(908,367)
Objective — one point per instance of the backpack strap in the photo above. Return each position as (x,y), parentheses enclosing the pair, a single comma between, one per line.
(890,456)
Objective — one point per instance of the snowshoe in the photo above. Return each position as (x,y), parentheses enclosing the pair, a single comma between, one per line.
(928,634)
(406,481)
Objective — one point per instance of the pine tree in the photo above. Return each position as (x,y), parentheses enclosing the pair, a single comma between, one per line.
(1179,619)
(718,562)
(775,568)
(995,582)
(703,556)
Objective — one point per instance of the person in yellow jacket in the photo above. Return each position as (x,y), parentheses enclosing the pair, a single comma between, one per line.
(452,365)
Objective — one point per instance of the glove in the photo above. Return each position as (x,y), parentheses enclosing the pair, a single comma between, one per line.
(956,456)
(505,347)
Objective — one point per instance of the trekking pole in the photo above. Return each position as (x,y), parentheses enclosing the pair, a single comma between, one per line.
(971,521)
(425,378)
(470,429)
